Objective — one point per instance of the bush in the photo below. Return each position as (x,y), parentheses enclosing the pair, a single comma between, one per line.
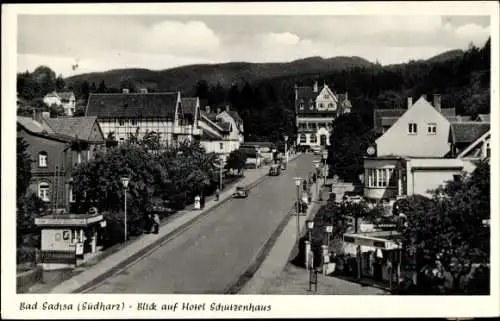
(25,254)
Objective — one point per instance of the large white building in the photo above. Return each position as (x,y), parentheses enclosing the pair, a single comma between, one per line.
(127,113)
(315,112)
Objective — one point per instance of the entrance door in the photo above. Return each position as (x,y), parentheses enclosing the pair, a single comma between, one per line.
(322,140)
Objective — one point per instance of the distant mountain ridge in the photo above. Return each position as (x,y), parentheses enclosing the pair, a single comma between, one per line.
(184,78)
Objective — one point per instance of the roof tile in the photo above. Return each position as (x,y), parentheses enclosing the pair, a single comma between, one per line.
(132,105)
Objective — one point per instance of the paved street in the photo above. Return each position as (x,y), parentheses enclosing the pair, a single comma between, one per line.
(209,257)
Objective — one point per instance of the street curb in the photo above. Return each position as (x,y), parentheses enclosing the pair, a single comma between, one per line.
(263,253)
(157,243)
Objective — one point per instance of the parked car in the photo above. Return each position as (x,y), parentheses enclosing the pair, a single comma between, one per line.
(274,170)
(240,192)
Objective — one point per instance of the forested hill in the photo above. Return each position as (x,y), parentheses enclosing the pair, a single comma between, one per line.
(185,77)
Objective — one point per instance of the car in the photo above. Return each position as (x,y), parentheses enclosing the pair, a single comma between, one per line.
(274,170)
(240,192)
(316,150)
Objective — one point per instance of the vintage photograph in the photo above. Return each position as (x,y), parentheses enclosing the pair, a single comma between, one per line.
(253,154)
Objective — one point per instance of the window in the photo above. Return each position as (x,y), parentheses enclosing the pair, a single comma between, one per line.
(303,138)
(326,96)
(431,128)
(488,150)
(321,106)
(43,192)
(134,122)
(313,139)
(221,145)
(301,106)
(330,105)
(42,159)
(72,196)
(121,122)
(412,128)
(380,177)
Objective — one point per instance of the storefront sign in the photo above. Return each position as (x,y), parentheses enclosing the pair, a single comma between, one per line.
(79,249)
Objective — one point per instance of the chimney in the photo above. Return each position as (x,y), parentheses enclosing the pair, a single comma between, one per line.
(227,108)
(437,102)
(315,87)
(207,109)
(125,90)
(410,102)
(218,110)
(144,91)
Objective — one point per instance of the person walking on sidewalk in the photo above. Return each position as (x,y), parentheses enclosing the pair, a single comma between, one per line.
(217,194)
(156,224)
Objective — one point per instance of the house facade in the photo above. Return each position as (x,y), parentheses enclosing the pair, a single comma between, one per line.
(66,99)
(418,152)
(315,112)
(56,147)
(124,114)
(222,130)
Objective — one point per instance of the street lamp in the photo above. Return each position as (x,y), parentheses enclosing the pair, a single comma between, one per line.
(221,166)
(286,149)
(298,181)
(325,156)
(125,181)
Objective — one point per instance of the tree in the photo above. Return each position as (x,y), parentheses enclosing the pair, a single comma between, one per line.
(59,83)
(449,233)
(23,167)
(237,160)
(349,141)
(151,141)
(111,140)
(102,88)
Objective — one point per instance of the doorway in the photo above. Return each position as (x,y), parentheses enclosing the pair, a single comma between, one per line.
(322,140)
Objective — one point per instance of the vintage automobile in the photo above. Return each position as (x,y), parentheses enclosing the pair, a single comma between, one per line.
(274,170)
(240,192)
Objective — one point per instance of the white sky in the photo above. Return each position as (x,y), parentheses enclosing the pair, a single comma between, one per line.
(157,42)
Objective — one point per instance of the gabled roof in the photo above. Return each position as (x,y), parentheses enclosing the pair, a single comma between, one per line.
(212,116)
(457,119)
(388,114)
(468,132)
(132,105)
(225,126)
(80,127)
(236,116)
(208,136)
(189,105)
(34,126)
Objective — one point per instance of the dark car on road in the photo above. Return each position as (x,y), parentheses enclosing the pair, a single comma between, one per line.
(240,192)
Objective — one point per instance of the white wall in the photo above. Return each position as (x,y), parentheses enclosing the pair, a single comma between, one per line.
(397,141)
(424,175)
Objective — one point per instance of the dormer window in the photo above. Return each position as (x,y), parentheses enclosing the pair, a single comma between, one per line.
(42,159)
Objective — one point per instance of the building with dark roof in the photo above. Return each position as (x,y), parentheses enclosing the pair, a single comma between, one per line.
(129,113)
(56,146)
(315,112)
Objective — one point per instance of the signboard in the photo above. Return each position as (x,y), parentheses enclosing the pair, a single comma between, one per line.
(329,229)
(56,240)
(79,249)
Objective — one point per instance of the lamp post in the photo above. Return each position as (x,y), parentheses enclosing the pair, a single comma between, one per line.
(316,166)
(125,181)
(286,149)
(298,181)
(325,156)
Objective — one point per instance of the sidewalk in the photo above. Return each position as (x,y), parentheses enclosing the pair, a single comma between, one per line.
(278,257)
(148,242)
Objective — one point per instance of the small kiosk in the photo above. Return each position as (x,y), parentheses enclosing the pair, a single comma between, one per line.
(65,238)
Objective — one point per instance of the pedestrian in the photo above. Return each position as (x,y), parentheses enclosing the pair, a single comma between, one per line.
(217,194)
(156,224)
(202,203)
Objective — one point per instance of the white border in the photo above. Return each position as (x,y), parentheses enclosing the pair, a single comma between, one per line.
(282,306)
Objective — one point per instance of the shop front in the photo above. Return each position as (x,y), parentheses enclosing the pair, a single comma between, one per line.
(66,238)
